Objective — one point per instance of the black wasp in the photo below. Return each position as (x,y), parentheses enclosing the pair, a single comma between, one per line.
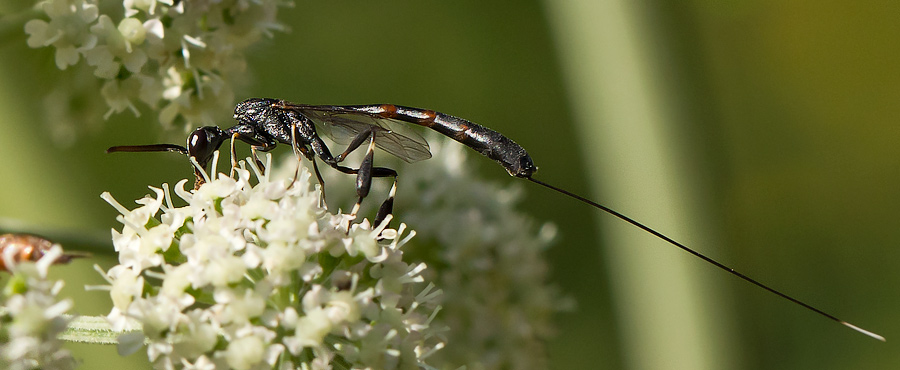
(263,123)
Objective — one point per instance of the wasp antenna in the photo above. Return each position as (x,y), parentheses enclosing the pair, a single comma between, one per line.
(149,148)
(703,257)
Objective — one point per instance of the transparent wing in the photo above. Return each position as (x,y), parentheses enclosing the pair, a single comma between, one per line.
(343,124)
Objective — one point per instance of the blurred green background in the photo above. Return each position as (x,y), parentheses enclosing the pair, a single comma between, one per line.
(762,134)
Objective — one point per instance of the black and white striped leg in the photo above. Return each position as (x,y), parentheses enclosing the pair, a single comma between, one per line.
(387,207)
(367,134)
(364,174)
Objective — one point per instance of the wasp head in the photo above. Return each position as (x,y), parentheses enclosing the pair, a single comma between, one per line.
(203,142)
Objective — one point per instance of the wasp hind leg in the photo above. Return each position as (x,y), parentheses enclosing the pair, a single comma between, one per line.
(364,176)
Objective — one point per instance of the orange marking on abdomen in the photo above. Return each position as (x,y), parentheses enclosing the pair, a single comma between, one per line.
(388,111)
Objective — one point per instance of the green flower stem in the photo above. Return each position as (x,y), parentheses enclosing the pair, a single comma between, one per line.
(624,109)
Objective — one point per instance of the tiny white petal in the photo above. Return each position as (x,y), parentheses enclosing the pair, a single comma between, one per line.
(195,41)
(129,343)
(244,353)
(155,27)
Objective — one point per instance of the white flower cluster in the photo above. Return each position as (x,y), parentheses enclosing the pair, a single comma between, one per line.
(184,53)
(259,276)
(31,316)
(484,253)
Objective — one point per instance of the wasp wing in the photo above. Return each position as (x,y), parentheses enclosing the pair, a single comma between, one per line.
(343,123)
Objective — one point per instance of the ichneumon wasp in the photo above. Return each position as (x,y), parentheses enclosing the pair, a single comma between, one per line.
(263,123)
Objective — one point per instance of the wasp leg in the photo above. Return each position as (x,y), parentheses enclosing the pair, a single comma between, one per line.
(250,136)
(305,152)
(234,136)
(364,174)
(264,146)
(364,178)
(321,184)
(297,151)
(388,205)
(255,155)
(367,134)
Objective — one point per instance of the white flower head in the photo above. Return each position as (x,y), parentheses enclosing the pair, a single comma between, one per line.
(31,316)
(484,254)
(119,47)
(189,54)
(67,29)
(252,273)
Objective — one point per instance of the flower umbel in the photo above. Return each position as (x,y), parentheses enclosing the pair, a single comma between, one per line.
(187,54)
(31,316)
(484,253)
(250,276)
